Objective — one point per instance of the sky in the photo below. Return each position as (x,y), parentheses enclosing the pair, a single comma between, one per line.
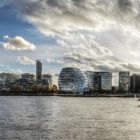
(97,35)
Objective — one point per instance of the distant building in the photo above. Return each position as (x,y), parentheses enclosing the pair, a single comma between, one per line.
(135,83)
(28,76)
(38,70)
(24,84)
(8,78)
(97,83)
(72,80)
(124,81)
(47,78)
(90,79)
(102,81)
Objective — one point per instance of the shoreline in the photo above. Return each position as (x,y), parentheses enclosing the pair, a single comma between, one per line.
(104,95)
(73,95)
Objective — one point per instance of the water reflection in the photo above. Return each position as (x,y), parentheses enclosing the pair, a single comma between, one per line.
(60,118)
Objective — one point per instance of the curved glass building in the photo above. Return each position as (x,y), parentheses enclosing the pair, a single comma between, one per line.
(72,80)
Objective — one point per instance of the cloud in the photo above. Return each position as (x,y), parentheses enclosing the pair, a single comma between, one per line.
(25,60)
(72,15)
(16,43)
(17,71)
(55,60)
(94,34)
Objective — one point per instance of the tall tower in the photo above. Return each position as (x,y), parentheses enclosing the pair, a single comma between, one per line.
(38,70)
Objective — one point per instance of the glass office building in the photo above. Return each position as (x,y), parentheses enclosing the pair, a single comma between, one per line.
(124,81)
(38,69)
(90,78)
(102,81)
(72,80)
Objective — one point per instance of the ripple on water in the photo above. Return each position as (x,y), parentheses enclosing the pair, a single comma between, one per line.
(60,118)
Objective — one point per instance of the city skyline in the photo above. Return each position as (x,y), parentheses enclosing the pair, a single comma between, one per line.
(92,35)
(70,81)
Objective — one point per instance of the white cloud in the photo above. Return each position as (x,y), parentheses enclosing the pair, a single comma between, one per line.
(94,34)
(25,60)
(73,15)
(17,71)
(55,60)
(16,43)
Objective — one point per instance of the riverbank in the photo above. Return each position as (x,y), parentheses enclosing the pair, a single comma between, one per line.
(71,95)
(103,95)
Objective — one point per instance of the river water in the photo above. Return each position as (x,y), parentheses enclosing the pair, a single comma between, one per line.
(69,118)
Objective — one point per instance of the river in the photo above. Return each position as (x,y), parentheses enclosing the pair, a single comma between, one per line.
(69,118)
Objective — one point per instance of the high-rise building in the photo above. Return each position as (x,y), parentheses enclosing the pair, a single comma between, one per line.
(38,70)
(72,80)
(102,81)
(124,81)
(90,78)
(135,83)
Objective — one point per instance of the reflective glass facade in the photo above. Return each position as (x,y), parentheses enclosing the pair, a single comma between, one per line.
(90,78)
(38,70)
(73,80)
(102,81)
(124,81)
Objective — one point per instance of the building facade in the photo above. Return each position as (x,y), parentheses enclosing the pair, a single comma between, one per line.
(102,81)
(6,78)
(47,78)
(90,78)
(28,76)
(38,70)
(72,80)
(124,81)
(135,83)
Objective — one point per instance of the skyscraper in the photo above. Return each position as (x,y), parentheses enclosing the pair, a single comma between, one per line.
(38,70)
